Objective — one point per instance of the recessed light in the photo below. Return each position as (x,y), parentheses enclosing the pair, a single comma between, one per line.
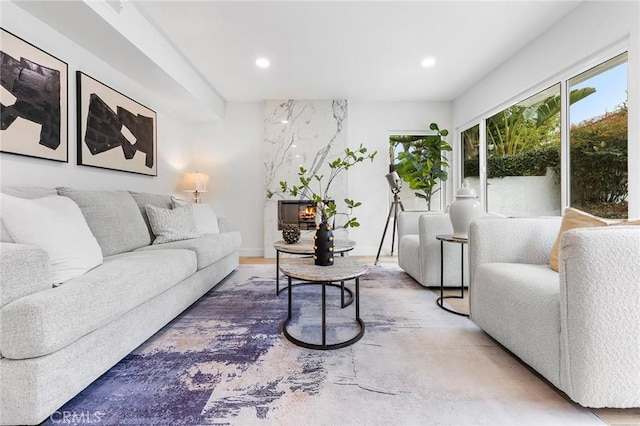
(262,63)
(284,121)
(428,62)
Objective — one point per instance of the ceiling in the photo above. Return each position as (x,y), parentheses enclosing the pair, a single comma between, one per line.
(360,50)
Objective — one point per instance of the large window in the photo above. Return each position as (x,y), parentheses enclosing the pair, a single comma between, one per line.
(470,140)
(529,165)
(598,140)
(523,154)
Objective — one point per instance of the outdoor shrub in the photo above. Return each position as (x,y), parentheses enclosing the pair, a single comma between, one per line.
(532,163)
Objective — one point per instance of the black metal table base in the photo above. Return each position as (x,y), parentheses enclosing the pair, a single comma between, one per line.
(278,289)
(324,345)
(341,286)
(440,300)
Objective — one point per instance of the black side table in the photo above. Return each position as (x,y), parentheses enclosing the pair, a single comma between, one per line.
(451,239)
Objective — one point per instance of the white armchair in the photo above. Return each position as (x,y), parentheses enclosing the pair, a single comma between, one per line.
(579,327)
(419,250)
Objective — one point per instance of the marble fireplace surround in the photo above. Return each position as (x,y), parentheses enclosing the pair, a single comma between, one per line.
(300,133)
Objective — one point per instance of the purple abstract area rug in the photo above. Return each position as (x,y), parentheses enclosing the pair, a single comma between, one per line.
(224,361)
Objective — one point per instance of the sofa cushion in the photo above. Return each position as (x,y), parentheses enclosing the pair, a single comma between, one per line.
(519,305)
(29,192)
(205,219)
(171,224)
(203,215)
(44,322)
(208,249)
(158,200)
(113,217)
(574,218)
(56,225)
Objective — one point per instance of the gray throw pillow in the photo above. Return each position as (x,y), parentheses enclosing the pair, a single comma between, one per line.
(158,200)
(113,217)
(171,225)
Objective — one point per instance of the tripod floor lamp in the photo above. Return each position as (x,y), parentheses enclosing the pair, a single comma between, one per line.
(396,184)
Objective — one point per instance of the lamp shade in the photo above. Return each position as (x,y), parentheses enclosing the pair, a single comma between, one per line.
(196,182)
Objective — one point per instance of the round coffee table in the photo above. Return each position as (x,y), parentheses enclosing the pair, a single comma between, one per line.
(343,269)
(304,247)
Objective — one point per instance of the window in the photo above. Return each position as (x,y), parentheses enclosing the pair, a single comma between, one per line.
(598,140)
(470,140)
(519,150)
(415,199)
(523,157)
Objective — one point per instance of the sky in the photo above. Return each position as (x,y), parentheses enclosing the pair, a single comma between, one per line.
(610,92)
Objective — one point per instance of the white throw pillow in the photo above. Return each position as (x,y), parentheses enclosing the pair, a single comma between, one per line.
(203,215)
(171,224)
(205,219)
(178,202)
(56,225)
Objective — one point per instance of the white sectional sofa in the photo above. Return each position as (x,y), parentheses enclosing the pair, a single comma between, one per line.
(579,327)
(56,341)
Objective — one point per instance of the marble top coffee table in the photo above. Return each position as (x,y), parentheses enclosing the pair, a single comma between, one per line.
(343,269)
(304,247)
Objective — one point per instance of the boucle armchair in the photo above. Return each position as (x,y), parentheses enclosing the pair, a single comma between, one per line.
(579,327)
(419,250)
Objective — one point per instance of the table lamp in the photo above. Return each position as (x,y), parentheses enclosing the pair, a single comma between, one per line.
(196,182)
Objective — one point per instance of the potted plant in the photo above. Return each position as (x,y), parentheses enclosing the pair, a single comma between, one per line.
(313,187)
(422,163)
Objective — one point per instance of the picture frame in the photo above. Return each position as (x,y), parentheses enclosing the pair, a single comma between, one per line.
(114,131)
(34,101)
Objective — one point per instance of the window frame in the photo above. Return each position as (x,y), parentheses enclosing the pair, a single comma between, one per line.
(562,78)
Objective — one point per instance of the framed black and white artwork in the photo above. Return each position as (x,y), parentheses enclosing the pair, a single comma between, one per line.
(114,131)
(33,100)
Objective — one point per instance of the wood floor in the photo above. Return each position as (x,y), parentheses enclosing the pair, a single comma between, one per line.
(611,416)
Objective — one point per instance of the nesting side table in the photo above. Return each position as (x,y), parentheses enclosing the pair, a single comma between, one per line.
(304,247)
(343,269)
(451,239)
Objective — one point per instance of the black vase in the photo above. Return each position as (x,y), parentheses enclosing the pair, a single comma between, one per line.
(323,247)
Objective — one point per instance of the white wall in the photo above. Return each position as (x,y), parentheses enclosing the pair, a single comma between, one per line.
(174,141)
(231,153)
(578,40)
(371,123)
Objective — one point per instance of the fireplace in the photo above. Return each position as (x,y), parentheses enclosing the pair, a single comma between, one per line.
(296,212)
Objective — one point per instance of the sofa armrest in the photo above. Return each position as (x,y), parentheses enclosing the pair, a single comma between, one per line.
(408,222)
(24,270)
(600,316)
(512,240)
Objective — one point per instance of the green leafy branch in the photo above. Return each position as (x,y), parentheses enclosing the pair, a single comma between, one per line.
(422,163)
(312,187)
